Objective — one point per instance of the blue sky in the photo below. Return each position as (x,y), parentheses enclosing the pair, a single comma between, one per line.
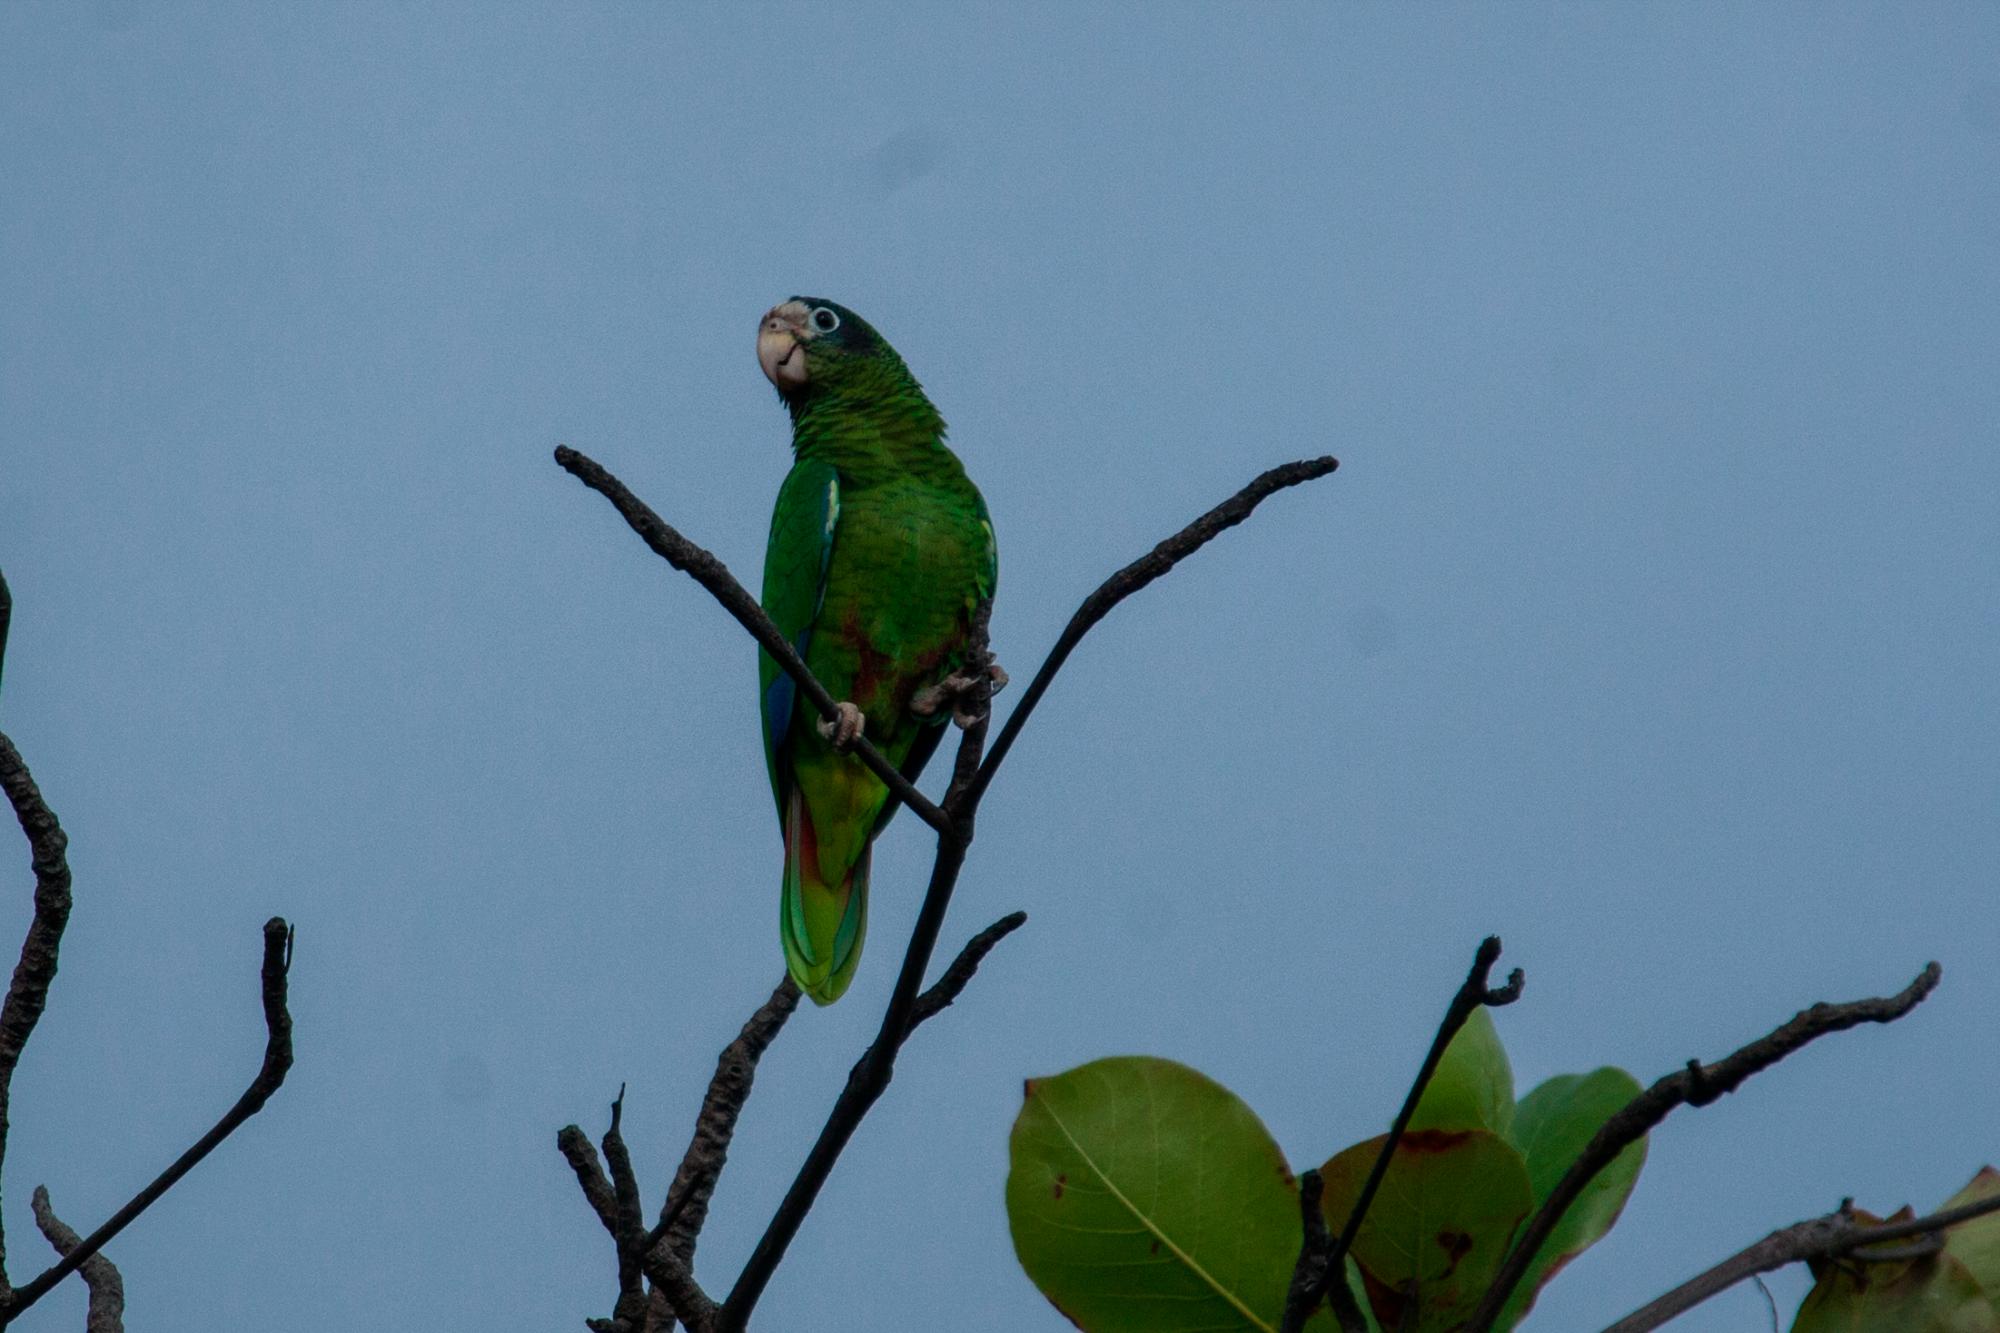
(1649,622)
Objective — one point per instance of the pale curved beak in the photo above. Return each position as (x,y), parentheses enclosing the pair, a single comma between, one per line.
(781,345)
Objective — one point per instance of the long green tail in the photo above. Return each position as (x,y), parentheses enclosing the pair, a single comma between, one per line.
(821,924)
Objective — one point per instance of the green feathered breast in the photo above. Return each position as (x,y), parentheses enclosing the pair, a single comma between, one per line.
(880,552)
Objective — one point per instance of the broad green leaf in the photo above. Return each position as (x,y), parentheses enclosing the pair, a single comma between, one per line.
(1145,1197)
(1474,1085)
(1976,1244)
(1551,1126)
(1439,1227)
(1931,1295)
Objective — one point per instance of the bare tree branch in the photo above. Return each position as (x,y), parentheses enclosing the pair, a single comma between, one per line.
(1131,579)
(953,819)
(948,987)
(270,1076)
(106,1310)
(1330,1266)
(685,1208)
(686,1205)
(1838,1233)
(28,994)
(1696,1085)
(712,574)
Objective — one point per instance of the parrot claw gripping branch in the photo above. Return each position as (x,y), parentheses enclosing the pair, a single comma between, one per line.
(663,1255)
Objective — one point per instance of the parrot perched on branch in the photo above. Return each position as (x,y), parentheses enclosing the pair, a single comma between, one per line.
(880,553)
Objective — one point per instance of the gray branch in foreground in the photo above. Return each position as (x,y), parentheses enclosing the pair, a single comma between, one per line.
(1696,1085)
(685,1208)
(28,993)
(1839,1233)
(106,1310)
(581,1153)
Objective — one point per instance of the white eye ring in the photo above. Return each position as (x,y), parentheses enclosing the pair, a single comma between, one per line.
(825,320)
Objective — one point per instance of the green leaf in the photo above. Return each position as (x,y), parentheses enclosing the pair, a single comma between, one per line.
(1473,1087)
(1144,1196)
(1976,1244)
(1931,1295)
(1551,1127)
(1439,1227)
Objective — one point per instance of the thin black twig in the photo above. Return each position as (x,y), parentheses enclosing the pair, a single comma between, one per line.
(1131,579)
(955,978)
(106,1311)
(1770,1303)
(6,619)
(712,574)
(1696,1085)
(28,993)
(1837,1234)
(270,1076)
(1330,1265)
(1923,1247)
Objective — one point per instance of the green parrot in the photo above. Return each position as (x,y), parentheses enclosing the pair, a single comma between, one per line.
(880,552)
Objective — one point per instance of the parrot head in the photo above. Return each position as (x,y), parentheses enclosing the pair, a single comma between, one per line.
(810,348)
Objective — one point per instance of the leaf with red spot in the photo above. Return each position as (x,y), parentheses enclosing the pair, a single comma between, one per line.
(1144,1197)
(1438,1228)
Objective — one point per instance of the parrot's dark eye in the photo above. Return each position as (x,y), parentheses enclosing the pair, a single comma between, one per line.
(825,320)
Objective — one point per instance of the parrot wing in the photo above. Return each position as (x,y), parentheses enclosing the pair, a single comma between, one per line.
(795,564)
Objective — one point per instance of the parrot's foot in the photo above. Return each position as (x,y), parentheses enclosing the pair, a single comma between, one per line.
(957,692)
(843,728)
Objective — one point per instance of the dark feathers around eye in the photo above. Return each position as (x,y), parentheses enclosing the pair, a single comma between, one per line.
(855,334)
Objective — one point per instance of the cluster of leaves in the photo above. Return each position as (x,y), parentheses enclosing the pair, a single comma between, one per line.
(1947,1287)
(1143,1195)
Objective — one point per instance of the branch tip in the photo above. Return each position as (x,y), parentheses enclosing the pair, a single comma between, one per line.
(1696,1084)
(269,1078)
